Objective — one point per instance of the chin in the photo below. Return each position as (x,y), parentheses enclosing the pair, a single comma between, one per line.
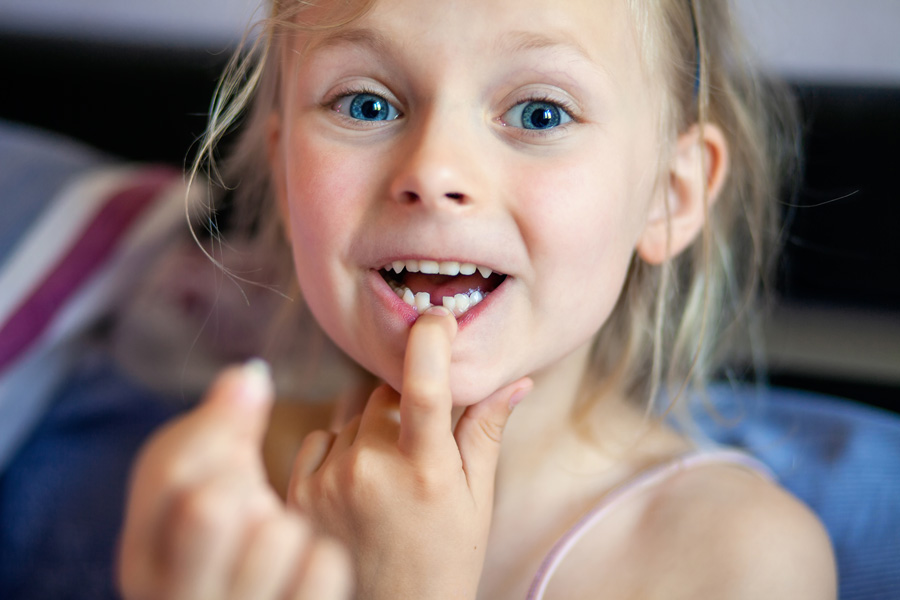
(467,391)
(463,400)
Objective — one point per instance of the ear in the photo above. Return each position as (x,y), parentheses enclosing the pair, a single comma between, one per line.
(275,157)
(697,172)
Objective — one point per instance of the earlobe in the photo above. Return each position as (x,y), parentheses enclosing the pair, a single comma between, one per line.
(696,175)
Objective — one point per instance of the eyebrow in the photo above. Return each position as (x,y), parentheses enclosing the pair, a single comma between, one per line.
(519,41)
(356,36)
(511,42)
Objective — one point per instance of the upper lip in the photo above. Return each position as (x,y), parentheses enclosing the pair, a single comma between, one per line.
(474,242)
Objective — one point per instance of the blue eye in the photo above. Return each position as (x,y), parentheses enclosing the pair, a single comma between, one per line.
(366,107)
(536,114)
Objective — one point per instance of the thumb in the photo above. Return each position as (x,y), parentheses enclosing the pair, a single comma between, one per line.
(480,430)
(240,400)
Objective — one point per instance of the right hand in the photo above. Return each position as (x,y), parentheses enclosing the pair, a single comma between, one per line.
(202,521)
(409,495)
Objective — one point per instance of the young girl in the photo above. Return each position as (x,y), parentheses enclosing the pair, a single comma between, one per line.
(483,200)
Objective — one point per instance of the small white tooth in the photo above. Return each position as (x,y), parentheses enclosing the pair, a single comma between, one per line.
(408,297)
(462,303)
(485,272)
(401,291)
(467,269)
(397,265)
(423,301)
(449,268)
(449,303)
(429,267)
(474,298)
(412,266)
(387,267)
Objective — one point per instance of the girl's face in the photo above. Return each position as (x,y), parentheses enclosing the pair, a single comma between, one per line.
(517,135)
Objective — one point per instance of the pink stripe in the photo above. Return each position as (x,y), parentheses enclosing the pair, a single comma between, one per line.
(86,256)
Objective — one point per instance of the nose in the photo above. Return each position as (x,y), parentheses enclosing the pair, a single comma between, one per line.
(436,165)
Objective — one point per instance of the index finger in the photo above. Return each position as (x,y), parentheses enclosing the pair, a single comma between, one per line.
(190,451)
(425,400)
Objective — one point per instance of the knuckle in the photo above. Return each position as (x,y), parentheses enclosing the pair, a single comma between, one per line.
(168,473)
(432,484)
(491,429)
(198,511)
(297,494)
(349,482)
(362,468)
(424,393)
(360,484)
(302,491)
(314,440)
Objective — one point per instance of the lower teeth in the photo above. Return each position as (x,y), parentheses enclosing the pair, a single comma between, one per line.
(458,304)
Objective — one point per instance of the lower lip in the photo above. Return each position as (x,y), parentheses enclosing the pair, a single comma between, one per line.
(409,313)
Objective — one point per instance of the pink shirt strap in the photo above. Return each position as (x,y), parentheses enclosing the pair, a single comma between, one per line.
(627,490)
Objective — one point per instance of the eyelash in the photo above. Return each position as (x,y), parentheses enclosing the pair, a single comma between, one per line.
(568,107)
(349,92)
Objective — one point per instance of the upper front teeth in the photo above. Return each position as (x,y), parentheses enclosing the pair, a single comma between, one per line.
(433,267)
(449,268)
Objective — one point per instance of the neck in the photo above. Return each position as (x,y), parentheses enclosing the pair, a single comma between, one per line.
(540,433)
(541,441)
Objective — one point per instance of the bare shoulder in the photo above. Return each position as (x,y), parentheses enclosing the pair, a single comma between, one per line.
(720,531)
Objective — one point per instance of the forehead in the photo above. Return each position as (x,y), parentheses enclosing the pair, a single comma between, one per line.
(600,31)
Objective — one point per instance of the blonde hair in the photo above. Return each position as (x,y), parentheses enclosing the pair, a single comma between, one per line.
(673,324)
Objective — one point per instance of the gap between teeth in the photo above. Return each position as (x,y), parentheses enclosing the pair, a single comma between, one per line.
(421,301)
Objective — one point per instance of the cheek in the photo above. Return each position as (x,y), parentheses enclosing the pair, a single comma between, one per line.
(581,222)
(583,215)
(322,192)
(328,191)
(319,187)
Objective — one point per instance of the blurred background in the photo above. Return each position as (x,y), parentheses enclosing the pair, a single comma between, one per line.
(134,78)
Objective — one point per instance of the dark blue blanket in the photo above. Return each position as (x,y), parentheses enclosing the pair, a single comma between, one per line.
(843,460)
(62,498)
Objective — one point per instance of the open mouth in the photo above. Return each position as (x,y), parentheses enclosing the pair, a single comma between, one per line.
(426,283)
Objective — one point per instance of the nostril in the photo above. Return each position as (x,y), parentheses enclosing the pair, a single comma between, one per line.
(412,197)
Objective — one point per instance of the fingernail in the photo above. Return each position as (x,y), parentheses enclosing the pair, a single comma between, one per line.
(517,397)
(438,311)
(257,380)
